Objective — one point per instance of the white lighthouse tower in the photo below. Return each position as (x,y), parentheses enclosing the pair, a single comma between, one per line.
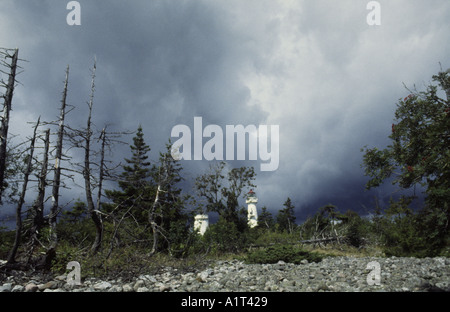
(252,214)
(201,223)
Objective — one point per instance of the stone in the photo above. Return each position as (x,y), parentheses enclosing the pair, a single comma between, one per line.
(115,288)
(102,286)
(48,285)
(443,286)
(202,276)
(6,287)
(138,284)
(31,287)
(164,288)
(127,288)
(61,278)
(341,274)
(18,288)
(148,278)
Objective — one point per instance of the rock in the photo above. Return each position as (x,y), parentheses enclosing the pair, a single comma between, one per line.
(323,287)
(102,286)
(164,288)
(6,287)
(148,278)
(443,286)
(61,278)
(202,276)
(138,284)
(115,288)
(18,288)
(48,285)
(127,288)
(340,274)
(31,287)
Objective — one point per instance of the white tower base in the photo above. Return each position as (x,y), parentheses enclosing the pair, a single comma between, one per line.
(252,214)
(201,223)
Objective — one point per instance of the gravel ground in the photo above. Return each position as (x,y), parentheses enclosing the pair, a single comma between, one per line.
(335,274)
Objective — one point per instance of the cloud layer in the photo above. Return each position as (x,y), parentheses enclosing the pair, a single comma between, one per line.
(315,68)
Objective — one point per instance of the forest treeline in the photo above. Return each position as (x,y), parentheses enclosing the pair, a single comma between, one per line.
(148,212)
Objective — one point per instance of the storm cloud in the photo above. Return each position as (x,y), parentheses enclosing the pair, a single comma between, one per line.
(315,68)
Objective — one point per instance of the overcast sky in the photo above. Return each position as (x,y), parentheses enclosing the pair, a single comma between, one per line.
(315,68)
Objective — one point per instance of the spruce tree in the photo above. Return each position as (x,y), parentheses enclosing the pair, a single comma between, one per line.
(266,219)
(286,217)
(135,183)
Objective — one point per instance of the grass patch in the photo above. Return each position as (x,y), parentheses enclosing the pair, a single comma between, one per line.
(346,251)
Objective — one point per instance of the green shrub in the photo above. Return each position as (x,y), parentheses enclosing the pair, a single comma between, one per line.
(286,253)
(6,242)
(269,237)
(224,237)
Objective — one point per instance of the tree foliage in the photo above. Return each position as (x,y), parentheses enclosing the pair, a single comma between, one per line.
(419,155)
(135,183)
(286,217)
(222,195)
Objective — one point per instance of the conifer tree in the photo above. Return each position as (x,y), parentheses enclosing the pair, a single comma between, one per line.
(266,219)
(135,183)
(286,217)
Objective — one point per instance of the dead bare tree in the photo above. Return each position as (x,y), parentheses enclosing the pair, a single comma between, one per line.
(152,219)
(38,204)
(102,172)
(57,172)
(6,110)
(167,175)
(83,139)
(17,238)
(96,218)
(106,172)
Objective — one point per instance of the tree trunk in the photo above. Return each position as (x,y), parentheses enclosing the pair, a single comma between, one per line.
(12,255)
(38,205)
(102,168)
(5,119)
(87,174)
(152,221)
(57,173)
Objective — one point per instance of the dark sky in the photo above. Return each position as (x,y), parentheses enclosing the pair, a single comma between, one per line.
(315,68)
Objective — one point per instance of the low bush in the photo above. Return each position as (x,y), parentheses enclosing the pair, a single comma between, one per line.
(286,253)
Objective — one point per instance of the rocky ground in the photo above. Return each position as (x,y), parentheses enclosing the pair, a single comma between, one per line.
(336,274)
